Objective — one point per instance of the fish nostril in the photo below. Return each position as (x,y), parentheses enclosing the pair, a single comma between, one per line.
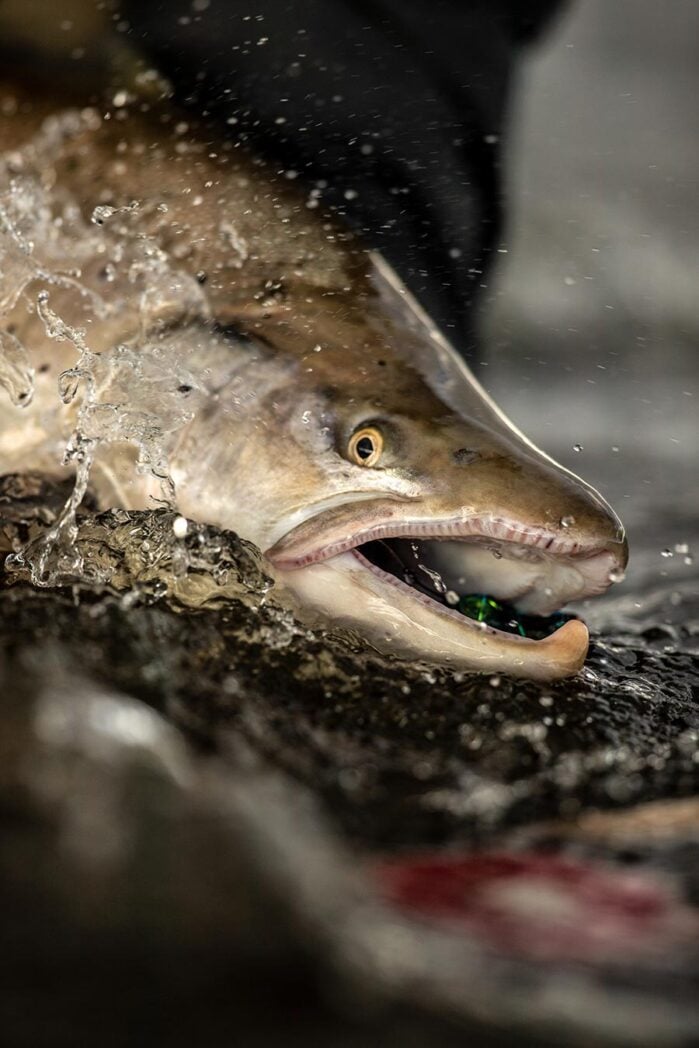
(465,456)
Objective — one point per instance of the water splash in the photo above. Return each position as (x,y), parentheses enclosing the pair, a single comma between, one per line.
(237,242)
(125,381)
(16,372)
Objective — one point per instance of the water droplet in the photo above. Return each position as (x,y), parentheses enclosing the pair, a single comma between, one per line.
(180,526)
(435,577)
(237,242)
(16,373)
(567,522)
(68,382)
(666,553)
(451,597)
(101,214)
(577,447)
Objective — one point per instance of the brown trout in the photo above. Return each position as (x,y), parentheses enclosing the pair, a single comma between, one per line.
(180,317)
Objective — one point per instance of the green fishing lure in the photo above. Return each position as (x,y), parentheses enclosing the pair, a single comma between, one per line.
(505,617)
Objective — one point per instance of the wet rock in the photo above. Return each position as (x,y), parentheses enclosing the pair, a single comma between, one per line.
(185,768)
(192,626)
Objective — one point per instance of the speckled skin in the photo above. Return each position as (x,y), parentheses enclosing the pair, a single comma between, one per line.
(309,341)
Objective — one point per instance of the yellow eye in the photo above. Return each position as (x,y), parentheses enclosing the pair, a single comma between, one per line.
(365,446)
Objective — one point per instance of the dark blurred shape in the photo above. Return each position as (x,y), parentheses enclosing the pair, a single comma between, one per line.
(393,110)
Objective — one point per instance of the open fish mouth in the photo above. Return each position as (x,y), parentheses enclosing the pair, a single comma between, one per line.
(503,579)
(408,561)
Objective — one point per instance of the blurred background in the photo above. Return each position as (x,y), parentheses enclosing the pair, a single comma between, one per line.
(592,327)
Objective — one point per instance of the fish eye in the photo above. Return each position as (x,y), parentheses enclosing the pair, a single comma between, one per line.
(365,446)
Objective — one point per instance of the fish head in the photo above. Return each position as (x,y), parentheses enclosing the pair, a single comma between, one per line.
(410,506)
(341,433)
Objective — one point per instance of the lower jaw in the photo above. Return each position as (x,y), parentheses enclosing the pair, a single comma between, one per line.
(512,588)
(342,592)
(499,609)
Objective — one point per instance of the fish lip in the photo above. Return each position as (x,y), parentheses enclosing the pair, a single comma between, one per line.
(486,526)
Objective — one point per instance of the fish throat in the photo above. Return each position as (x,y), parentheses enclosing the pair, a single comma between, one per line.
(420,565)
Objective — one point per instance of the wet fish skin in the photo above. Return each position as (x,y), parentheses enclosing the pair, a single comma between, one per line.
(303,339)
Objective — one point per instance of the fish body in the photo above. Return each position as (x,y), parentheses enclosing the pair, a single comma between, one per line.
(221,343)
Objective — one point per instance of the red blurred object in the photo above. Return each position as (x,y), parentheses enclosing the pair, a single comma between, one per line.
(541,906)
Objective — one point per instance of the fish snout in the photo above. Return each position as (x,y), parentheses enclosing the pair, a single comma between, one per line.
(528,487)
(589,546)
(547,537)
(586,518)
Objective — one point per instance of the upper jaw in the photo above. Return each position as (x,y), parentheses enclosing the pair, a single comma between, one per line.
(330,534)
(297,549)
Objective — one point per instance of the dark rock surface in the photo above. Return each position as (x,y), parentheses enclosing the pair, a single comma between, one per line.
(201,798)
